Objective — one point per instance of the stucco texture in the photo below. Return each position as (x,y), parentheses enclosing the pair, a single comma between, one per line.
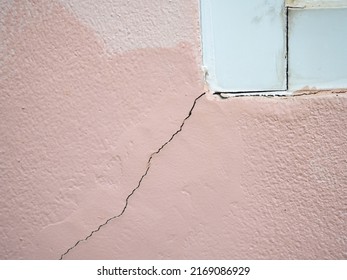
(110,150)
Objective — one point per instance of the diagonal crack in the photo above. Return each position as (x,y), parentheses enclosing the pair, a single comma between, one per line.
(140,181)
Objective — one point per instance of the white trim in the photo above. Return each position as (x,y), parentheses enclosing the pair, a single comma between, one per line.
(316,4)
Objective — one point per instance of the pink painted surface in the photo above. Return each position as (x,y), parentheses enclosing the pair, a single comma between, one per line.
(81,113)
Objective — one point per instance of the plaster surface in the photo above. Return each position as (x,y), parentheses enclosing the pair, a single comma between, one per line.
(125,25)
(84,107)
(251,193)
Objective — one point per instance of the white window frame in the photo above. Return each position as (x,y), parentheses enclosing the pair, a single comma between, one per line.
(290,6)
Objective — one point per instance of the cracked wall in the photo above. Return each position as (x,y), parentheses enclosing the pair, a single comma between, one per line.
(89,93)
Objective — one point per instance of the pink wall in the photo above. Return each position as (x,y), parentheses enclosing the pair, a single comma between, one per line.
(91,89)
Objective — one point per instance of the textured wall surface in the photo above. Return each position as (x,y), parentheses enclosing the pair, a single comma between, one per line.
(108,150)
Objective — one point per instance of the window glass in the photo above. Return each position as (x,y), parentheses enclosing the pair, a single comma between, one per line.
(273,45)
(317,48)
(244,44)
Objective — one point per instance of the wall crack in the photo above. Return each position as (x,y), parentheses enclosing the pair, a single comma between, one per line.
(139,182)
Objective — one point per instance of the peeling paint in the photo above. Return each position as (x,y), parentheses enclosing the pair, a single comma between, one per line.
(313,91)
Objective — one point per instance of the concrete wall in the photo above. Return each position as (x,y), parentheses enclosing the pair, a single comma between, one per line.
(109,150)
